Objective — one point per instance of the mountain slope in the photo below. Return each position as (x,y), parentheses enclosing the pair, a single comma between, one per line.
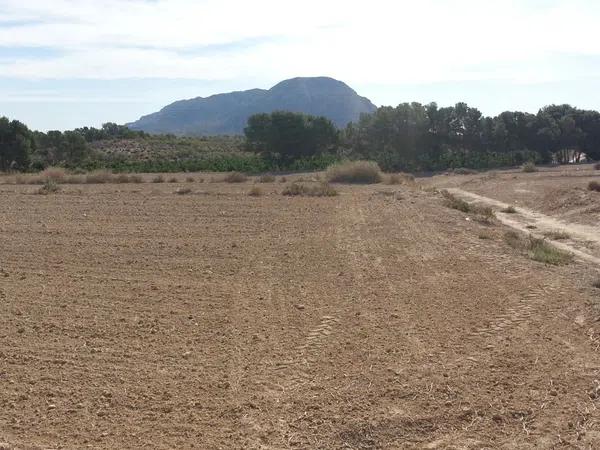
(228,113)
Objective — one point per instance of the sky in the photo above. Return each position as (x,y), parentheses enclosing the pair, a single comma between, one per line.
(71,63)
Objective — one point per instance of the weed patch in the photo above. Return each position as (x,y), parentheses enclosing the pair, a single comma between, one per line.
(319,190)
(529,167)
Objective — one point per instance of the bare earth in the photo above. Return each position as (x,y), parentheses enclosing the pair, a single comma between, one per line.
(131,317)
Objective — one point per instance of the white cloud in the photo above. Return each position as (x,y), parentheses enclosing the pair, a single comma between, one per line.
(381,41)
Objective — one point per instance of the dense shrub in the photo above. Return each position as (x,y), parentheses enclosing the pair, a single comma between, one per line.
(594,186)
(354,172)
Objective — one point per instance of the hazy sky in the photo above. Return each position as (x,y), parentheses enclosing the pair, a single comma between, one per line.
(69,63)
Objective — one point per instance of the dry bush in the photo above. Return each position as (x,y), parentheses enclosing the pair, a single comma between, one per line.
(50,186)
(557,235)
(267,178)
(283,180)
(456,203)
(235,177)
(529,167)
(189,179)
(483,214)
(509,210)
(99,177)
(596,284)
(354,172)
(200,180)
(173,180)
(322,189)
(597,166)
(54,173)
(255,192)
(594,186)
(399,178)
(158,179)
(183,191)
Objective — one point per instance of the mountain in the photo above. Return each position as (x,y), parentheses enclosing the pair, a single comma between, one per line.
(228,113)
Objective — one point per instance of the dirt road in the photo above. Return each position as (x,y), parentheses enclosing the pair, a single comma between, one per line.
(581,240)
(131,317)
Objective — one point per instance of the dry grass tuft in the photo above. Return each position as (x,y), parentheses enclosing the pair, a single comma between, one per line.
(529,167)
(510,210)
(235,177)
(485,214)
(594,186)
(513,239)
(50,186)
(322,189)
(456,203)
(538,249)
(267,178)
(189,179)
(99,177)
(255,192)
(158,179)
(59,176)
(597,166)
(596,284)
(283,180)
(173,180)
(557,235)
(354,172)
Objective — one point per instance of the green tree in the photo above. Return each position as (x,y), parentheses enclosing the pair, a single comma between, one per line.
(286,136)
(16,145)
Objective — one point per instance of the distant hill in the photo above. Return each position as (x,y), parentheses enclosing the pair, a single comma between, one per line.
(228,113)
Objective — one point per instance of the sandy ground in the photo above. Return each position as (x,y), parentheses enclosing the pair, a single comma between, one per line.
(558,191)
(131,317)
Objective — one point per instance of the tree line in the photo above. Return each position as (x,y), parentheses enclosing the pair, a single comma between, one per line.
(22,149)
(416,137)
(409,137)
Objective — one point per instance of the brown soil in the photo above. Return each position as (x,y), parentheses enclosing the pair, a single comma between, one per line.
(132,317)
